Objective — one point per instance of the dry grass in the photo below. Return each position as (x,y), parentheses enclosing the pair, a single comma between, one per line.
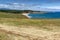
(27,34)
(5,36)
(17,20)
(47,24)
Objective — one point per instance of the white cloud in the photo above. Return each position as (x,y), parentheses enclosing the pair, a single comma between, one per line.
(15,3)
(3,5)
(12,6)
(19,6)
(50,8)
(22,6)
(54,7)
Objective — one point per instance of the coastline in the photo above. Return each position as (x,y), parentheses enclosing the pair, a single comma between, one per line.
(26,14)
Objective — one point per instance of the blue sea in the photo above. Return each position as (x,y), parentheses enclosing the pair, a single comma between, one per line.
(45,15)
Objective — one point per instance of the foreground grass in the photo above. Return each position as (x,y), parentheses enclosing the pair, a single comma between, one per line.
(5,36)
(19,20)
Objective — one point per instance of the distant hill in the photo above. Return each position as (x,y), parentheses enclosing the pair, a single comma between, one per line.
(19,11)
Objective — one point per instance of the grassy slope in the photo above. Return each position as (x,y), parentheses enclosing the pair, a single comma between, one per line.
(11,15)
(5,36)
(8,18)
(19,20)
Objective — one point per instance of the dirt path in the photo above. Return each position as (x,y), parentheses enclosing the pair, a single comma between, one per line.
(30,33)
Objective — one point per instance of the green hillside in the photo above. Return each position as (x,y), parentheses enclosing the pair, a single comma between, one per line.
(11,15)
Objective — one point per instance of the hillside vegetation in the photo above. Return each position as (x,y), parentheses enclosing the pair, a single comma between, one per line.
(11,15)
(17,23)
(19,20)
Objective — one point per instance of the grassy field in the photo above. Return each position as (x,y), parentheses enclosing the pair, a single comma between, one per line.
(5,36)
(11,15)
(21,21)
(39,23)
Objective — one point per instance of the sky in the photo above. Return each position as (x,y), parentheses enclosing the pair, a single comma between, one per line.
(39,5)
